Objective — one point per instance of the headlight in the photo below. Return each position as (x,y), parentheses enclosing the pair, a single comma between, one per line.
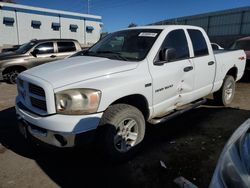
(77,101)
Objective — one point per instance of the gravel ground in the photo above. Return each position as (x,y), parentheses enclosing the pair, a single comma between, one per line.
(189,145)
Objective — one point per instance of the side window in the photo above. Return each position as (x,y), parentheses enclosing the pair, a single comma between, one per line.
(66,46)
(45,48)
(177,41)
(199,42)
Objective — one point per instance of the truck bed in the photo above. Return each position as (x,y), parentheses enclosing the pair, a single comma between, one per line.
(226,59)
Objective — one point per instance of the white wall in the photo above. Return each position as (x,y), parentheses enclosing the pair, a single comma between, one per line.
(23,30)
(27,32)
(94,36)
(68,34)
(8,34)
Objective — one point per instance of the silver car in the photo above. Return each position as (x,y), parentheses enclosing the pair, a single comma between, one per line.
(34,53)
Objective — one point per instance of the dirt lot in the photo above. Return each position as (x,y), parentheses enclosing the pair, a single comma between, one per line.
(189,146)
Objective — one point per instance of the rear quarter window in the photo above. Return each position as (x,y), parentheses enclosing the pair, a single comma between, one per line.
(199,42)
(66,46)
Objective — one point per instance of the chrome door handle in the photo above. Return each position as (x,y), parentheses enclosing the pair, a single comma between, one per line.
(211,63)
(189,68)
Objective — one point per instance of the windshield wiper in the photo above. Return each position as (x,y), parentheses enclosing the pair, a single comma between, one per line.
(117,54)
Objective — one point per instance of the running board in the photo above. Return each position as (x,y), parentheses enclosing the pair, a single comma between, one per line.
(177,112)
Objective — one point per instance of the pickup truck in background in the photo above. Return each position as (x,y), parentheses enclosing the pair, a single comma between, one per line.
(130,77)
(34,53)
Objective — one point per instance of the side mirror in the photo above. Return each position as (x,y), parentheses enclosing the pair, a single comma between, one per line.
(166,55)
(35,52)
(169,54)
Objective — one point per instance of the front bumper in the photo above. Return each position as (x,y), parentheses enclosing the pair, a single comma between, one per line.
(57,130)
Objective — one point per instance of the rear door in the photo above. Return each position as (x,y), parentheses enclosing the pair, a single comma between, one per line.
(65,48)
(204,64)
(172,80)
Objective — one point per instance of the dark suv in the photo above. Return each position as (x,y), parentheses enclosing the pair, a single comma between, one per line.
(34,53)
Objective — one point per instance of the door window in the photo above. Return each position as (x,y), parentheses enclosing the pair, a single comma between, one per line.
(66,46)
(177,41)
(199,42)
(45,48)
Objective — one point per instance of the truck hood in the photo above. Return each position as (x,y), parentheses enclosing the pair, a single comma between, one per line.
(76,69)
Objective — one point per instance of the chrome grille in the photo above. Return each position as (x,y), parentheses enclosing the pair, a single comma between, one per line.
(37,97)
(32,96)
(41,104)
(34,89)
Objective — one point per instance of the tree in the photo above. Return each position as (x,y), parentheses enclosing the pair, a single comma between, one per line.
(132,25)
(8,1)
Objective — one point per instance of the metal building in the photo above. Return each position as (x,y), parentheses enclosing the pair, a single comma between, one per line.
(19,24)
(222,27)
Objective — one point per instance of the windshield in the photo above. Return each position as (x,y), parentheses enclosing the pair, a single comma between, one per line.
(125,45)
(243,44)
(25,47)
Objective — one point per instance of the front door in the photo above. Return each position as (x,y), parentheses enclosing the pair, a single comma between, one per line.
(45,52)
(173,81)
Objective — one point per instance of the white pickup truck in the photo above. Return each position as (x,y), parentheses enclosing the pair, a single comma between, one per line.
(130,77)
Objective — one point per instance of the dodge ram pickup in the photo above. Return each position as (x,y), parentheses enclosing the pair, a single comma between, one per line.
(130,77)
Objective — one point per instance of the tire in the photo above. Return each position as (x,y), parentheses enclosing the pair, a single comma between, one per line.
(226,93)
(122,130)
(11,76)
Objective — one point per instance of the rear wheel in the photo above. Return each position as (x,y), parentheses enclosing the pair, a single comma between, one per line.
(123,129)
(226,94)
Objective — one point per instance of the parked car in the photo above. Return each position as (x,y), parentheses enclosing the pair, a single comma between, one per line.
(34,53)
(233,167)
(14,48)
(133,76)
(244,44)
(216,46)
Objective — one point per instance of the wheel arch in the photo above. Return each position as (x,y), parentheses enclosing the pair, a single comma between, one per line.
(137,100)
(233,72)
(14,67)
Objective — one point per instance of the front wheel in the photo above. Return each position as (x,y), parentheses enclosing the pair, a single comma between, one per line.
(226,94)
(123,129)
(11,76)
